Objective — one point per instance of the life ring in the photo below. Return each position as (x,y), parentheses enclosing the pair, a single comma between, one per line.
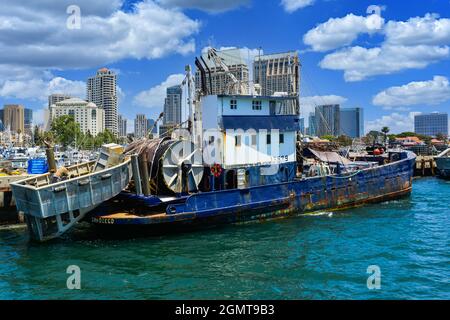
(216,170)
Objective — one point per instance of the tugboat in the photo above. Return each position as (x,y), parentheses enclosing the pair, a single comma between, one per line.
(240,162)
(239,159)
(443,164)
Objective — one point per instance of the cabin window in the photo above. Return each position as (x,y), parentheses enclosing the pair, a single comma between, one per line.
(233,104)
(253,139)
(237,141)
(269,139)
(256,105)
(281,137)
(211,140)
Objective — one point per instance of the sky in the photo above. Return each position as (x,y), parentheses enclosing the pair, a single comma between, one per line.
(390,57)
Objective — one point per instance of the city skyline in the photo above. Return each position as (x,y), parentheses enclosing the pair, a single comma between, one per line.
(390,91)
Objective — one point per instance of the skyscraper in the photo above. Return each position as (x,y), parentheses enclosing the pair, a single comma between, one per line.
(312,126)
(14,117)
(277,73)
(28,121)
(2,127)
(217,81)
(172,105)
(122,123)
(140,126)
(102,90)
(328,120)
(352,122)
(150,126)
(302,125)
(431,124)
(57,97)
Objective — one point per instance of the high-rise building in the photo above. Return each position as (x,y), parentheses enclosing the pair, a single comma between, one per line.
(102,90)
(431,124)
(28,121)
(352,122)
(328,120)
(2,127)
(302,126)
(14,118)
(140,126)
(217,81)
(312,125)
(172,105)
(122,123)
(57,97)
(277,73)
(86,114)
(151,126)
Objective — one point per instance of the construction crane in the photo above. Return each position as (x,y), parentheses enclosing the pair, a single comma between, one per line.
(236,86)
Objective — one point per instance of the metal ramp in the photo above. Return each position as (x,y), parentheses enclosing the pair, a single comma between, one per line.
(51,208)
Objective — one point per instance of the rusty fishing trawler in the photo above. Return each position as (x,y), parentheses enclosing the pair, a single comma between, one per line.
(238,159)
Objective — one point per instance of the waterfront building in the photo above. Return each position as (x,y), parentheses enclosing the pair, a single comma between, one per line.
(277,73)
(2,127)
(150,124)
(14,118)
(122,123)
(352,122)
(90,117)
(140,126)
(328,120)
(431,124)
(28,121)
(312,124)
(102,91)
(217,81)
(54,98)
(172,105)
(302,126)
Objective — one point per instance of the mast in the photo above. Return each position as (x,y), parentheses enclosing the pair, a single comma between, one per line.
(191,104)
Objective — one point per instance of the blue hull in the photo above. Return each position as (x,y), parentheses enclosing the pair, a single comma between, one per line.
(263,202)
(443,167)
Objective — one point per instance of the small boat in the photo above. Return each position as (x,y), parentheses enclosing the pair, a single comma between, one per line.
(54,202)
(443,164)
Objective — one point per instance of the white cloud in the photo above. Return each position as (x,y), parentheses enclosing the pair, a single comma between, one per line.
(154,97)
(413,44)
(34,33)
(293,5)
(396,122)
(40,89)
(212,6)
(427,30)
(414,93)
(308,104)
(339,32)
(359,63)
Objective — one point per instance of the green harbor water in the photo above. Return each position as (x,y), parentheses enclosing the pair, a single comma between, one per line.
(322,256)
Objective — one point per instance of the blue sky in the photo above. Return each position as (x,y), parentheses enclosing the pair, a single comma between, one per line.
(393,65)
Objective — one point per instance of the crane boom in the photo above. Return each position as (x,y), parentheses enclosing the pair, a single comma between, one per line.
(237,86)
